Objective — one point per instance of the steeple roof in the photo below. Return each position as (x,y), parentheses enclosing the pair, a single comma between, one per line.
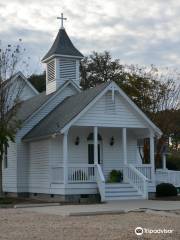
(62,46)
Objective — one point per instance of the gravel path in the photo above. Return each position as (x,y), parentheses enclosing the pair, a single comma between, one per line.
(18,225)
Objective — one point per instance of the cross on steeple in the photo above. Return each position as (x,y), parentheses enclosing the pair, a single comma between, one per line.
(62,19)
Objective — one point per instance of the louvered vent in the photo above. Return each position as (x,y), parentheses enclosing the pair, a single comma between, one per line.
(67,69)
(51,71)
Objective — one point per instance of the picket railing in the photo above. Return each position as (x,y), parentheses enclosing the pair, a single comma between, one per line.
(100,182)
(145,169)
(168,176)
(81,174)
(137,179)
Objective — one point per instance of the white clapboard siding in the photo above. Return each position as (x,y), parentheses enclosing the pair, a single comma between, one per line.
(78,153)
(111,156)
(51,87)
(19,88)
(60,71)
(27,93)
(56,154)
(108,113)
(21,149)
(10,173)
(38,169)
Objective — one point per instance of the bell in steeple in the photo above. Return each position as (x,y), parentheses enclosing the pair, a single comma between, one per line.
(62,61)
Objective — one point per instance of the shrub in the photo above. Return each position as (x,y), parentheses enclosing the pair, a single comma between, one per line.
(173,161)
(115,176)
(166,189)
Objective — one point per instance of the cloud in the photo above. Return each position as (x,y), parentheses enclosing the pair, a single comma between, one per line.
(139,32)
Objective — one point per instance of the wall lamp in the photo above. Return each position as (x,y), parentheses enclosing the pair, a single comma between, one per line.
(77,141)
(112,141)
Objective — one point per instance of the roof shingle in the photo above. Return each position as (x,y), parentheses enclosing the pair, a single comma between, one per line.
(64,112)
(62,46)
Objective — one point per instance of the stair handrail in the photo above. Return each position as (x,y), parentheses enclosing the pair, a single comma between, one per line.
(100,181)
(139,181)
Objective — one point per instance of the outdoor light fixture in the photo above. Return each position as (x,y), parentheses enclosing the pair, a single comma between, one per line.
(77,141)
(112,141)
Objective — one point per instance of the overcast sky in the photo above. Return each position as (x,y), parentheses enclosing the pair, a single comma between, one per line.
(135,31)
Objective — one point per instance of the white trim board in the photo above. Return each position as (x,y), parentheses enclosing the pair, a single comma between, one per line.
(60,55)
(114,86)
(26,81)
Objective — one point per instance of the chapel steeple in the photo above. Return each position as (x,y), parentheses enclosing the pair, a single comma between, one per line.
(62,61)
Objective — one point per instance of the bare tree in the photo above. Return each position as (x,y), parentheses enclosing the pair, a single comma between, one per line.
(10,91)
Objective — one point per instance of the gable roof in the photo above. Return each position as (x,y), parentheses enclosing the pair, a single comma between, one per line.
(68,111)
(20,74)
(29,106)
(65,112)
(33,104)
(62,46)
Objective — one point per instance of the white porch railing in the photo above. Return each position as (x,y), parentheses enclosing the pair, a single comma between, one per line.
(168,176)
(87,173)
(100,182)
(77,173)
(137,179)
(145,169)
(81,174)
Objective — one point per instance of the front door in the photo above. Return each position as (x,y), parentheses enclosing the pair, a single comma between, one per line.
(91,153)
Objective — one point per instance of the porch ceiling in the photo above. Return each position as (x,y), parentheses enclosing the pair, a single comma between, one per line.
(138,132)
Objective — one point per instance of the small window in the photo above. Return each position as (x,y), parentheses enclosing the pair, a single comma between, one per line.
(6,156)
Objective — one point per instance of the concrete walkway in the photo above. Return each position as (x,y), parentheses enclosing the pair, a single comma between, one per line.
(113,207)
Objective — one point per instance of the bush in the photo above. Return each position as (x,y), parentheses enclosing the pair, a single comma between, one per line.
(115,176)
(166,189)
(6,200)
(173,161)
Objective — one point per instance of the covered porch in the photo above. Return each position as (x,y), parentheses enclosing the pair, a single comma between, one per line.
(89,154)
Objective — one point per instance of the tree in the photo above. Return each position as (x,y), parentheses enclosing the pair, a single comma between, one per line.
(175,136)
(38,81)
(99,68)
(154,91)
(10,91)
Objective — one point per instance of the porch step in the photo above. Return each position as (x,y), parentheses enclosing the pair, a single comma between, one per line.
(138,197)
(118,185)
(121,191)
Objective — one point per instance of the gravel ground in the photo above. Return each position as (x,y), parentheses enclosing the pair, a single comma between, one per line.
(18,225)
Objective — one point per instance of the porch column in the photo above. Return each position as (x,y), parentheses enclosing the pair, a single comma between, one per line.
(65,156)
(152,160)
(95,145)
(164,161)
(124,141)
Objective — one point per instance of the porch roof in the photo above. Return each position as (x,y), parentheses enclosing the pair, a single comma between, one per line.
(64,112)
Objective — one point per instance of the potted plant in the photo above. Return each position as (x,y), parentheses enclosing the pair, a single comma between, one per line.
(115,176)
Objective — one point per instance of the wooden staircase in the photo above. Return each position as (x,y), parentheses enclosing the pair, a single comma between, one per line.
(121,191)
